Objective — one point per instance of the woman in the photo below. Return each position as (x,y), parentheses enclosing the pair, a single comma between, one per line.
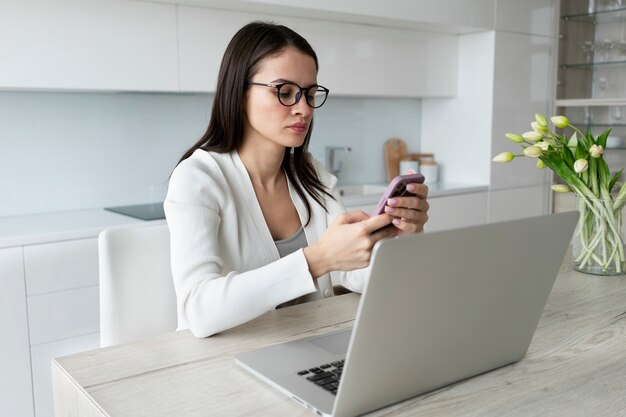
(255,222)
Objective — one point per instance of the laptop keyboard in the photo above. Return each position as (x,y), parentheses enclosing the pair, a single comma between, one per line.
(326,376)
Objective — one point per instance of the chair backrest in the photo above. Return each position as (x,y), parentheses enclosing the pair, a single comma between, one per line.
(137,297)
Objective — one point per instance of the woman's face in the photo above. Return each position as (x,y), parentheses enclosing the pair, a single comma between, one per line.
(266,118)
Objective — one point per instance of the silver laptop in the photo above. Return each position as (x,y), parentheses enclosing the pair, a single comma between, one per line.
(439,307)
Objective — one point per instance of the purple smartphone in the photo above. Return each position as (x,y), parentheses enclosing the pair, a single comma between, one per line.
(397,188)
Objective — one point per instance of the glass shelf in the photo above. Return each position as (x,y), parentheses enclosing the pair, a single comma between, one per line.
(605,125)
(590,102)
(591,65)
(603,16)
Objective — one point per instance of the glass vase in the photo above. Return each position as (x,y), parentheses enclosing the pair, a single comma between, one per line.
(598,245)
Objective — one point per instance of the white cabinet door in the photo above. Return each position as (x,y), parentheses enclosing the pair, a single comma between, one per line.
(521,88)
(59,266)
(517,203)
(88,45)
(15,377)
(64,314)
(355,60)
(535,17)
(42,357)
(451,212)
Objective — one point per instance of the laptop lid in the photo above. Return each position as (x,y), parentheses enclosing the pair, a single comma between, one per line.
(439,307)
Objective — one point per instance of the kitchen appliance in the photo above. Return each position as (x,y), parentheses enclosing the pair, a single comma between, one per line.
(151,211)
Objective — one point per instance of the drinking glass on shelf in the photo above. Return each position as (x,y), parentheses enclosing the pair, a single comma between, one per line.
(621,49)
(616,114)
(588,48)
(605,47)
(587,117)
(602,85)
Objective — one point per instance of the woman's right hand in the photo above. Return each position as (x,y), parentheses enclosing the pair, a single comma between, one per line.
(348,242)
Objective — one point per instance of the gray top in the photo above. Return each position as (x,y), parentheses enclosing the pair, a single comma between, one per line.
(292,243)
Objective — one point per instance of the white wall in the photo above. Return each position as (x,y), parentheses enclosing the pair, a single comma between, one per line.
(68,151)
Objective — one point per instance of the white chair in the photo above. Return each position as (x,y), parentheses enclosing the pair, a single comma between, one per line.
(137,298)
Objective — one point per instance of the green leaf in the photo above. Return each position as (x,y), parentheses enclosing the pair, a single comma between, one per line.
(586,140)
(593,176)
(615,178)
(581,149)
(604,173)
(602,138)
(573,141)
(567,156)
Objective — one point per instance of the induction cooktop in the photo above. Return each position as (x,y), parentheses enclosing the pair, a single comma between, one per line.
(151,211)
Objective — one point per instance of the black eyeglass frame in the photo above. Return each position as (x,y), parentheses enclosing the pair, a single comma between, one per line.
(304,90)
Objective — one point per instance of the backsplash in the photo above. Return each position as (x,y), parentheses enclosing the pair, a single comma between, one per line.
(72,151)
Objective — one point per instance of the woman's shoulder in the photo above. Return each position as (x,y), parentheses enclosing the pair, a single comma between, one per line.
(202,173)
(203,163)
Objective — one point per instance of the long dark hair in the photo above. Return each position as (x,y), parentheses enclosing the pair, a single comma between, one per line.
(247,48)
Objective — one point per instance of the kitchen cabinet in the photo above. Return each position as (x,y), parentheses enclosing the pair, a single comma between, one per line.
(49,300)
(591,78)
(517,203)
(449,16)
(88,45)
(63,307)
(15,374)
(355,60)
(451,212)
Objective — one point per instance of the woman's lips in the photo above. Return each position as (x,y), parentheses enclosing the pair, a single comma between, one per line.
(298,127)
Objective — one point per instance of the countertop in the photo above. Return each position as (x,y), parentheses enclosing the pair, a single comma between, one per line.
(59,226)
(83,224)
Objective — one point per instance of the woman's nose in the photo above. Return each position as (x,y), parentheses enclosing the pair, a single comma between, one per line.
(302,107)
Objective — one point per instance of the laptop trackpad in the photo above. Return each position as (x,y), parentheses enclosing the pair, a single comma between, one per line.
(337,343)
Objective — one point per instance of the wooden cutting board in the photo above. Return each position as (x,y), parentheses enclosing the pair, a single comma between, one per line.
(395,150)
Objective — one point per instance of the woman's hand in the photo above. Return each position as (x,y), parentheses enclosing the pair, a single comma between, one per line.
(410,212)
(348,242)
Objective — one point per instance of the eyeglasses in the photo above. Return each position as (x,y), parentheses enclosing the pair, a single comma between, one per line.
(289,93)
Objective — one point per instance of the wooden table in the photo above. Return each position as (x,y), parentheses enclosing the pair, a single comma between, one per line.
(576,366)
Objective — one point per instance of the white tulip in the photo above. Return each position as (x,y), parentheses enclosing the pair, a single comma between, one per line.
(532,136)
(514,137)
(560,188)
(560,121)
(541,120)
(503,157)
(533,151)
(581,165)
(596,151)
(538,128)
(543,145)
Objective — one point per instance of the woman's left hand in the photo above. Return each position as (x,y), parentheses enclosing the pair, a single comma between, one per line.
(409,212)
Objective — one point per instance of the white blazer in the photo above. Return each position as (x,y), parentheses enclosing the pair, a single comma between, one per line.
(225,264)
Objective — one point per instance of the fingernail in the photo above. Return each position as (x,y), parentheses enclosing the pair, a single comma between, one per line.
(389,209)
(392,201)
(411,187)
(396,222)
